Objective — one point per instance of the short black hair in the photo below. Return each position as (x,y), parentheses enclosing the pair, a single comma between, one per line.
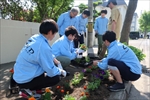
(112,1)
(103,11)
(110,36)
(86,12)
(48,25)
(71,30)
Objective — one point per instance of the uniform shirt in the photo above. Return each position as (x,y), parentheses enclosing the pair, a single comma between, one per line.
(81,24)
(120,52)
(115,16)
(34,59)
(64,21)
(64,47)
(100,25)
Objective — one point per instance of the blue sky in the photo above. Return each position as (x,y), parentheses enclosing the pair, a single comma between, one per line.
(143,5)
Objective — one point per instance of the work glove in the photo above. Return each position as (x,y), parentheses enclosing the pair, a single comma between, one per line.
(63,72)
(80,50)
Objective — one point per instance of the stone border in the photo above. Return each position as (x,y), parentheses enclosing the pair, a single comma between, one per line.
(121,95)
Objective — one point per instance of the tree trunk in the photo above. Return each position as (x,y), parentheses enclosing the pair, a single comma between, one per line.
(127,22)
(145,34)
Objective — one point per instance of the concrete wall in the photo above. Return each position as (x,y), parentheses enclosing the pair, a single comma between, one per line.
(14,34)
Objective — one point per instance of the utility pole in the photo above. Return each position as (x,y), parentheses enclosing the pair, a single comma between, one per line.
(90,25)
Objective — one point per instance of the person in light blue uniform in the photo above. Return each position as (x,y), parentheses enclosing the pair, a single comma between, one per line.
(35,65)
(100,28)
(63,48)
(67,19)
(121,61)
(81,23)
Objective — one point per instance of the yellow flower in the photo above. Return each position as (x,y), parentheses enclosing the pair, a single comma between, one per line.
(47,90)
(67,92)
(31,98)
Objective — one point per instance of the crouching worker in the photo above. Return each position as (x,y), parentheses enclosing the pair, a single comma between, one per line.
(35,68)
(63,48)
(121,61)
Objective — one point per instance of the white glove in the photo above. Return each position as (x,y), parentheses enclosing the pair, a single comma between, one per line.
(59,65)
(79,56)
(64,73)
(80,50)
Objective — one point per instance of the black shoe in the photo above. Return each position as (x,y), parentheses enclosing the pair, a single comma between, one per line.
(117,87)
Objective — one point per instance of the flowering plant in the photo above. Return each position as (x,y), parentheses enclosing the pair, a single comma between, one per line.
(83,47)
(47,95)
(68,97)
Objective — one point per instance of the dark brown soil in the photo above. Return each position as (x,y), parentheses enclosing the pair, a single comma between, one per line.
(102,93)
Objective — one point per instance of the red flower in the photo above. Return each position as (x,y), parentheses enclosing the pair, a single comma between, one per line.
(62,91)
(12,70)
(58,87)
(85,87)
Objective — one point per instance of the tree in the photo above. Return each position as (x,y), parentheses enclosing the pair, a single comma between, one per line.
(144,22)
(95,12)
(127,22)
(50,9)
(16,9)
(82,7)
(34,10)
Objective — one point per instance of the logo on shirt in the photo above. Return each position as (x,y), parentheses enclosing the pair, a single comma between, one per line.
(28,48)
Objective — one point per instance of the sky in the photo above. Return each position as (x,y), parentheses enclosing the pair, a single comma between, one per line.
(143,5)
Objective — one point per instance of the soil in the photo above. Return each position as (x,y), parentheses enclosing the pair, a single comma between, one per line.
(102,93)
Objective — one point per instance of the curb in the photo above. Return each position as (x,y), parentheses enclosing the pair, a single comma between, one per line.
(121,95)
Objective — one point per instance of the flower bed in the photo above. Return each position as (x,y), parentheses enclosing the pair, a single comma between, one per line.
(83,84)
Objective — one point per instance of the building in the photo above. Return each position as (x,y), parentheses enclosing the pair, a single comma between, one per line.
(134,24)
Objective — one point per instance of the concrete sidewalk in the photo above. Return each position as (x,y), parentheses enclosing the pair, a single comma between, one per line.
(140,89)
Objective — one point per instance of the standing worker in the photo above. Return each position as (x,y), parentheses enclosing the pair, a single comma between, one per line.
(67,19)
(114,23)
(100,28)
(81,23)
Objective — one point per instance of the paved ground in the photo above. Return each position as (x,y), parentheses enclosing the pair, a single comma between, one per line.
(140,89)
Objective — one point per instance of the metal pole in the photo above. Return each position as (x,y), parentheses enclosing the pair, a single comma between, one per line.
(90,25)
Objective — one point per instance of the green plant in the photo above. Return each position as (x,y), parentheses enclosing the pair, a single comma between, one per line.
(68,97)
(94,85)
(87,59)
(83,97)
(138,53)
(88,70)
(77,78)
(47,95)
(94,67)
